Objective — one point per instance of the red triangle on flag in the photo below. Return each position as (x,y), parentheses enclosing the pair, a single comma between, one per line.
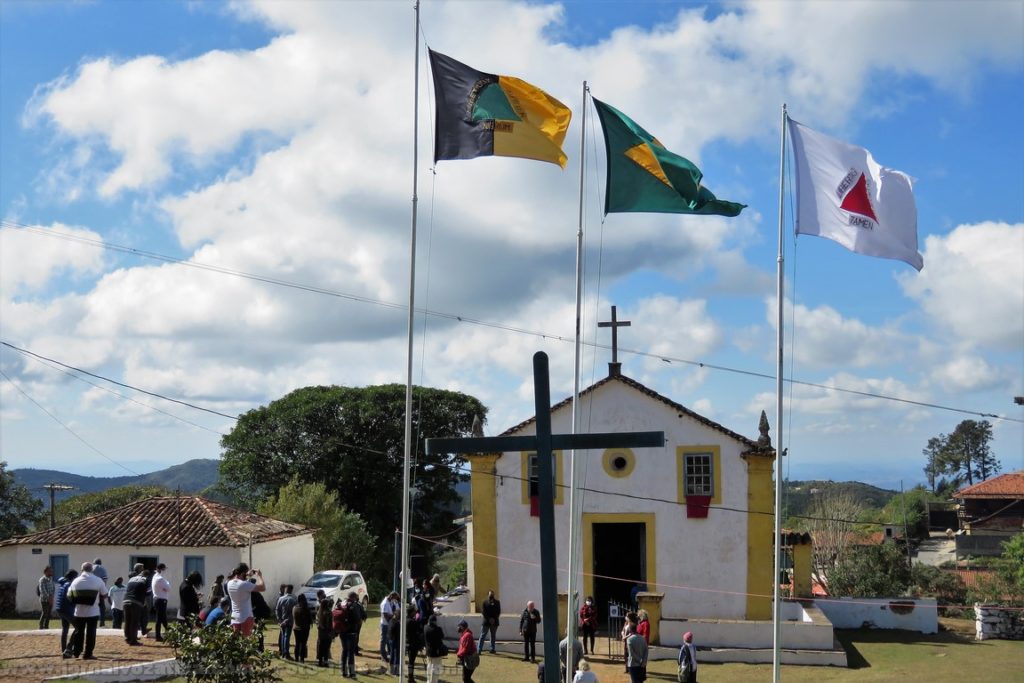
(857,201)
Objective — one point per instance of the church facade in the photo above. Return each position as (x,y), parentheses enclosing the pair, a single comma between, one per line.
(691,521)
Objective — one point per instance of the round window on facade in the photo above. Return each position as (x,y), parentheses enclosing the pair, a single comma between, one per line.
(619,462)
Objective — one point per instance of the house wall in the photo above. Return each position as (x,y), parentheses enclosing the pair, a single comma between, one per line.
(18,563)
(700,564)
(882,613)
(288,560)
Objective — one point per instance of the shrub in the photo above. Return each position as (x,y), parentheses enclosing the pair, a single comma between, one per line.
(219,654)
(945,586)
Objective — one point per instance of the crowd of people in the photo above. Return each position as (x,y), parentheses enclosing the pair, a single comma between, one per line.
(79,599)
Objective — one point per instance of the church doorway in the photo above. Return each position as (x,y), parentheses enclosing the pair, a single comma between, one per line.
(618,553)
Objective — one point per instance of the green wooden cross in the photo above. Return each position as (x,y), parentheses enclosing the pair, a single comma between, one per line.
(543,443)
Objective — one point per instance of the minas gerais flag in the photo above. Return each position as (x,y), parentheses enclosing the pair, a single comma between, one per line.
(843,194)
(644,176)
(481,114)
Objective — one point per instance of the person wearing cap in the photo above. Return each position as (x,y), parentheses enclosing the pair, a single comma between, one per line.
(161,588)
(84,592)
(687,659)
(468,656)
(134,603)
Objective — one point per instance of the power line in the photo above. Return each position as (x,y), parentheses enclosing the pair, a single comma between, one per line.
(69,429)
(475,321)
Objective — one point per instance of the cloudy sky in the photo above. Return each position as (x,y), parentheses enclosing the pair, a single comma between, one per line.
(212,202)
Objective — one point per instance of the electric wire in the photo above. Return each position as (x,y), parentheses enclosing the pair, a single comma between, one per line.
(494,325)
(70,431)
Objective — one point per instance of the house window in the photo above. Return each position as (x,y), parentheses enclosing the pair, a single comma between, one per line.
(699,478)
(59,564)
(195,563)
(699,474)
(531,481)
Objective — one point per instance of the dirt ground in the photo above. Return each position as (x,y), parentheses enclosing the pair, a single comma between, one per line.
(37,656)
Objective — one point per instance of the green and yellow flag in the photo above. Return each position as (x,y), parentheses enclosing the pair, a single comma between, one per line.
(643,176)
(481,114)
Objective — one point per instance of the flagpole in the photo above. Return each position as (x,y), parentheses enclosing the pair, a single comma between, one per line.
(570,621)
(407,462)
(780,292)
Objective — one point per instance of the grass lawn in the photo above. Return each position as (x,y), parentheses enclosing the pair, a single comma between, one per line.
(950,656)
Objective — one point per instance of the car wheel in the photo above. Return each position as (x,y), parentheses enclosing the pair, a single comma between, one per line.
(366,602)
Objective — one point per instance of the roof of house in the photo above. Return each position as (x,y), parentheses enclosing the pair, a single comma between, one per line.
(1009,485)
(188,521)
(680,409)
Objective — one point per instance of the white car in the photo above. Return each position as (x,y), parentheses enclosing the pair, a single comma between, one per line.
(337,584)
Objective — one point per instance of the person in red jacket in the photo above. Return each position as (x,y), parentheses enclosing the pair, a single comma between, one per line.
(588,624)
(469,658)
(643,628)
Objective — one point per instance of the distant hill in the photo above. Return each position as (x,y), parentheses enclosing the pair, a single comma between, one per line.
(797,495)
(191,477)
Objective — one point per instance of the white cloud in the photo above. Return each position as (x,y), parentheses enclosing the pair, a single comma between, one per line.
(28,263)
(969,373)
(971,285)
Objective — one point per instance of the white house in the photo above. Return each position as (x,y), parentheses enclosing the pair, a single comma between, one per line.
(185,533)
(692,520)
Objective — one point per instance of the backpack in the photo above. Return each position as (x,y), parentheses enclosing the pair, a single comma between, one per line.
(685,667)
(340,618)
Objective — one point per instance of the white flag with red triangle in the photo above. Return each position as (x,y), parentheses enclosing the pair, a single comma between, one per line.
(843,194)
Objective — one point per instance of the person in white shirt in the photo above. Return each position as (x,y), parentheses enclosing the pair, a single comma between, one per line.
(161,588)
(240,591)
(116,594)
(584,674)
(85,592)
(389,609)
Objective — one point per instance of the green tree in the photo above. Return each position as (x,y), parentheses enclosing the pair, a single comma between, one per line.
(967,451)
(832,518)
(18,507)
(352,439)
(1011,563)
(912,504)
(87,504)
(877,571)
(933,459)
(342,537)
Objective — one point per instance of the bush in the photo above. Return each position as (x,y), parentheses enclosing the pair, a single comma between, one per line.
(945,586)
(376,589)
(871,572)
(217,653)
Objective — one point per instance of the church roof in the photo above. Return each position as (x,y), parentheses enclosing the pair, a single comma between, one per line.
(188,521)
(682,410)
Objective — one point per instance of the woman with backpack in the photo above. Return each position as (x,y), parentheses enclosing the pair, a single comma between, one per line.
(687,660)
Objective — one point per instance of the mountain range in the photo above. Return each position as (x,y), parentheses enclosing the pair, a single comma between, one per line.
(193,476)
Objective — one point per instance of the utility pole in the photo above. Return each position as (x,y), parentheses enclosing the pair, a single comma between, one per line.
(53,488)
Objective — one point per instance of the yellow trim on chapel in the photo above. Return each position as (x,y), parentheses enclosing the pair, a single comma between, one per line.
(609,457)
(525,476)
(592,518)
(484,501)
(716,470)
(760,535)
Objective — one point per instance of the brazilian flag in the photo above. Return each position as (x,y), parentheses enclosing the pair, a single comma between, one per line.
(480,114)
(643,176)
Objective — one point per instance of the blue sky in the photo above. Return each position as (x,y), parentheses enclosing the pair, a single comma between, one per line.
(275,139)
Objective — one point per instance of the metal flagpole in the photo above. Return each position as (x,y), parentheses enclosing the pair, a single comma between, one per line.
(407,462)
(570,621)
(780,291)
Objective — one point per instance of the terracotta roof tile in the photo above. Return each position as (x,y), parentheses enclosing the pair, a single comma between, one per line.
(1009,485)
(683,410)
(170,521)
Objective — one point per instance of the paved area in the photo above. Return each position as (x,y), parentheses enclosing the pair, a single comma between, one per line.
(936,550)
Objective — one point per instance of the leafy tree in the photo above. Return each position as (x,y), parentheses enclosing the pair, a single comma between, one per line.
(933,459)
(831,520)
(18,506)
(87,504)
(913,504)
(1011,564)
(967,451)
(342,537)
(352,439)
(871,572)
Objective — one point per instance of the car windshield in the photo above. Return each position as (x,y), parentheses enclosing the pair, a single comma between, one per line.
(323,581)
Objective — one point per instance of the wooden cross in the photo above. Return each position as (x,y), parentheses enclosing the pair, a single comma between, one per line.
(615,324)
(544,442)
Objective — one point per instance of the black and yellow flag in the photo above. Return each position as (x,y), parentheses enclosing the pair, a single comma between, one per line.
(481,114)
